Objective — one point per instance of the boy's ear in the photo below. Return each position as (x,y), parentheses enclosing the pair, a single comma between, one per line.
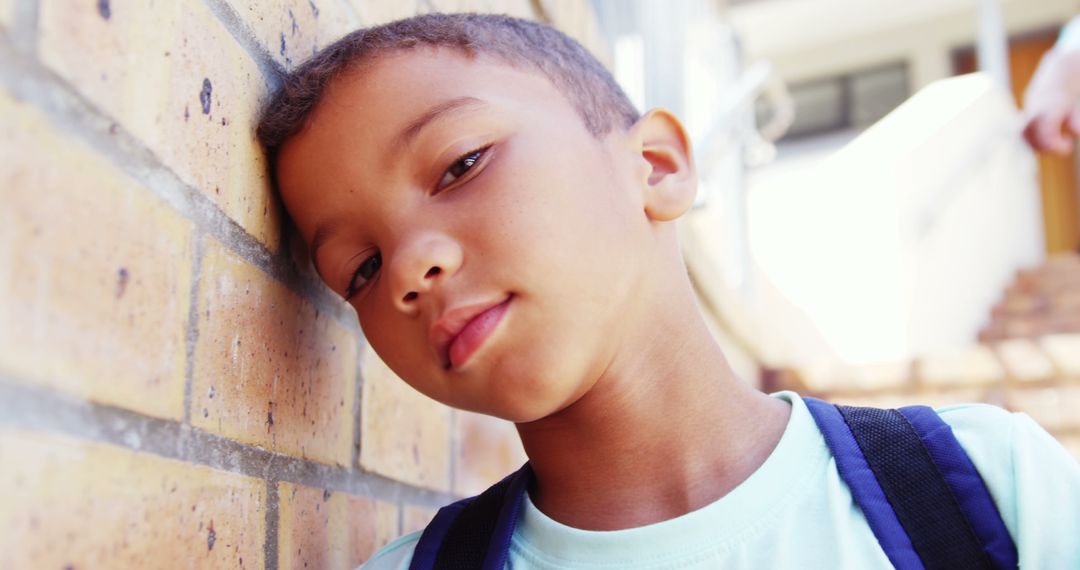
(670,183)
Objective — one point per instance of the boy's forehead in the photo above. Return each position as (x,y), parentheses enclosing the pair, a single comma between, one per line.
(369,115)
(412,80)
(389,99)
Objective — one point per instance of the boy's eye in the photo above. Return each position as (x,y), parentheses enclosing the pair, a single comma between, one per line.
(460,168)
(367,269)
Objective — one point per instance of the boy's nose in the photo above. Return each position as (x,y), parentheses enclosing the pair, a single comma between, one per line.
(421,265)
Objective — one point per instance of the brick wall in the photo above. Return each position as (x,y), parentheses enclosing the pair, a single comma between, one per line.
(177,388)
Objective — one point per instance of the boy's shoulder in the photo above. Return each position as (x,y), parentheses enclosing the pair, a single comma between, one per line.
(989,435)
(1033,479)
(980,426)
(1028,473)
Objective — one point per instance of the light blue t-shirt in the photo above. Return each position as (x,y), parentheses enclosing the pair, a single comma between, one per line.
(796,512)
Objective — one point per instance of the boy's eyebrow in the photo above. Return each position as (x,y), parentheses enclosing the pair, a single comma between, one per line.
(322,234)
(413,129)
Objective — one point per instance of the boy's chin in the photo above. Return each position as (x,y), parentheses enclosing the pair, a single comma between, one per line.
(522,416)
(506,384)
(528,406)
(517,401)
(518,412)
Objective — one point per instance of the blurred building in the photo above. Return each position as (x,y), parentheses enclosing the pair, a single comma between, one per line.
(869,212)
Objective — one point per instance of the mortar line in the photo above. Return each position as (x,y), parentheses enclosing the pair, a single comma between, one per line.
(400,518)
(358,408)
(192,338)
(40,409)
(70,112)
(271,70)
(285,267)
(541,12)
(272,521)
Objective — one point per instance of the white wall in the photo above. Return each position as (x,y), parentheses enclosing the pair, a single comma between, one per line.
(897,244)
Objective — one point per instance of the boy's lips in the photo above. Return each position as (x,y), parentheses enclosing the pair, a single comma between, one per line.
(459,332)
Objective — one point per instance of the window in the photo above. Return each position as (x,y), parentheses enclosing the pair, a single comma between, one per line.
(851,101)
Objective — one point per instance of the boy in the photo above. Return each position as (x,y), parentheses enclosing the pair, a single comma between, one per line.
(502,219)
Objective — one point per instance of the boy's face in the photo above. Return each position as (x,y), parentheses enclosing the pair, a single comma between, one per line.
(492,247)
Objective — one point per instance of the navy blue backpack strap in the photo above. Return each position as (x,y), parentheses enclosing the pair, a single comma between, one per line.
(474,533)
(966,484)
(860,478)
(920,493)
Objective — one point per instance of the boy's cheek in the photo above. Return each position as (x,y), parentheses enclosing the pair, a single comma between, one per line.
(407,358)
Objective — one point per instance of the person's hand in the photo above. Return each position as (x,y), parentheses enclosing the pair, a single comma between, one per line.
(1050,103)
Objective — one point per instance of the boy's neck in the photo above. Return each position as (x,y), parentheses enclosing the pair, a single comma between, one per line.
(668,429)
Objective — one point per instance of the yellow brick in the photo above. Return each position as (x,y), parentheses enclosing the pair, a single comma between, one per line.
(1024,360)
(386,524)
(406,436)
(971,366)
(328,530)
(76,504)
(270,369)
(95,272)
(375,12)
(415,518)
(488,449)
(1064,351)
(172,76)
(292,30)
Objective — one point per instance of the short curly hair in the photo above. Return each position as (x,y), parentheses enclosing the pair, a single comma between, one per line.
(585,82)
